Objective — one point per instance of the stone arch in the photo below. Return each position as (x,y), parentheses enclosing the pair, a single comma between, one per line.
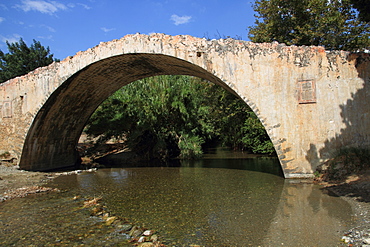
(296,92)
(52,137)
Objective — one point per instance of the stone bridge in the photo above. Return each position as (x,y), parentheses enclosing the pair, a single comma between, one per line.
(311,101)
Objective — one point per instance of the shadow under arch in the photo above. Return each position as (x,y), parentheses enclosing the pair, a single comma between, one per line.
(53,136)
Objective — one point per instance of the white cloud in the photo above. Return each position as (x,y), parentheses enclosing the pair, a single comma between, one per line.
(48,28)
(73,5)
(84,6)
(104,29)
(2,19)
(49,37)
(178,20)
(3,6)
(45,7)
(11,39)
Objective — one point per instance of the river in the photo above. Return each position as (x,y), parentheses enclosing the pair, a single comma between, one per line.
(227,199)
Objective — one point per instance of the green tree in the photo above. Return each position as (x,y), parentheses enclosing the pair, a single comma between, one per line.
(166,117)
(255,137)
(161,117)
(22,59)
(238,126)
(333,24)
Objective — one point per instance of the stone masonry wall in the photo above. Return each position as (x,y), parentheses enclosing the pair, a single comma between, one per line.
(310,101)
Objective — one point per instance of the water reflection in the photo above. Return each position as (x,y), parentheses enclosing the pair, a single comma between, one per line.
(195,204)
(222,207)
(191,205)
(307,217)
(259,164)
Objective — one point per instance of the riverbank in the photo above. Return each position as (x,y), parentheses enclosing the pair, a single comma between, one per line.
(359,235)
(355,190)
(18,183)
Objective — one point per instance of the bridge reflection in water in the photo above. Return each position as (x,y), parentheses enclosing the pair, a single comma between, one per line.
(224,207)
(185,205)
(305,216)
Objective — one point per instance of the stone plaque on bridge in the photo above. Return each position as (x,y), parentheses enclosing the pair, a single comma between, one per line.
(306,91)
(6,109)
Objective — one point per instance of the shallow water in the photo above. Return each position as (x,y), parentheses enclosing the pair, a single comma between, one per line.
(188,205)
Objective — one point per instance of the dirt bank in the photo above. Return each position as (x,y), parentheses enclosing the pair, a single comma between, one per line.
(13,179)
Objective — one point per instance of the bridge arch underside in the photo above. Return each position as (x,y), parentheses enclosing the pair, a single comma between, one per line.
(53,136)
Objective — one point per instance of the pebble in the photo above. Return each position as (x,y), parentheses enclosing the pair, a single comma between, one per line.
(135,232)
(76,172)
(23,192)
(146,244)
(110,220)
(154,238)
(141,239)
(346,239)
(356,237)
(147,233)
(125,227)
(127,231)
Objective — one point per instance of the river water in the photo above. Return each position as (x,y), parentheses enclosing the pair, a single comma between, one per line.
(217,201)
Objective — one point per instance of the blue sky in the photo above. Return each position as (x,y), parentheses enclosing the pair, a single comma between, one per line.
(68,26)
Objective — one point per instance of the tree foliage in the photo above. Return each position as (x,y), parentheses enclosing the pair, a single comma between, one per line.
(22,59)
(333,24)
(157,116)
(239,127)
(166,117)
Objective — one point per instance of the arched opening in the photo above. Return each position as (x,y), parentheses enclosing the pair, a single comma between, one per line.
(53,136)
(175,121)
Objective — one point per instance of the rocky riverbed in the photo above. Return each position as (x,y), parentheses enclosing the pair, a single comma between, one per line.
(17,183)
(355,189)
